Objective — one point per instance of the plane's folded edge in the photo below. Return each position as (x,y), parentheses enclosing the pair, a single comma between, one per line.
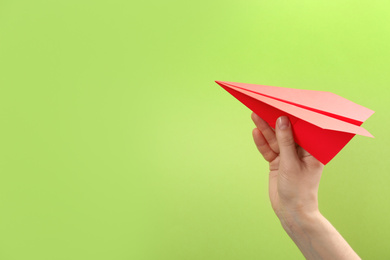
(317,119)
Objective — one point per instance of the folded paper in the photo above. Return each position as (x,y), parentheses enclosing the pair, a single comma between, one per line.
(322,122)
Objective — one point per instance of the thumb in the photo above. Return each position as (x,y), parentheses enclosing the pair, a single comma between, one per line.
(284,136)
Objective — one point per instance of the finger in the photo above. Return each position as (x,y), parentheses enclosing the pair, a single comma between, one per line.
(284,136)
(263,147)
(267,131)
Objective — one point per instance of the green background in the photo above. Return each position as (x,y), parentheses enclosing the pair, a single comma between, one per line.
(117,144)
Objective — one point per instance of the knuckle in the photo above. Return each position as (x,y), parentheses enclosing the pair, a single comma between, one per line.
(269,155)
(287,141)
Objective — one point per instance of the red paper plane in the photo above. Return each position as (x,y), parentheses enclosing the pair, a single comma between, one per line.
(322,122)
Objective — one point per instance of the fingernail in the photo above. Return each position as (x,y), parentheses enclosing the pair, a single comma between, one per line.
(283,122)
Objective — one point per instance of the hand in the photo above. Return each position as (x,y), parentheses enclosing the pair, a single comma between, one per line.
(294,174)
(293,190)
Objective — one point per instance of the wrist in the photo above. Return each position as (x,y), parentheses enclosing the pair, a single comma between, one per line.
(297,223)
(316,237)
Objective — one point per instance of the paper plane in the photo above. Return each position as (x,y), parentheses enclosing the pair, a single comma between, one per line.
(322,122)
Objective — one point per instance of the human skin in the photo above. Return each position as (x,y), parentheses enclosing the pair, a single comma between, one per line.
(294,177)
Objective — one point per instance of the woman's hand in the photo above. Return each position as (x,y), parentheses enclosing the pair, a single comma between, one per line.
(294,178)
(294,174)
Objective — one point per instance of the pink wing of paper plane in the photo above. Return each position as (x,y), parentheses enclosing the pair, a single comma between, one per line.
(323,122)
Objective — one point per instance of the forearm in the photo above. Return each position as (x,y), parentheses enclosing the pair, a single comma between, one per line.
(316,237)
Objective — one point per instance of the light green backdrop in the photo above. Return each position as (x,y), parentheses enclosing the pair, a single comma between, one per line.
(117,144)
